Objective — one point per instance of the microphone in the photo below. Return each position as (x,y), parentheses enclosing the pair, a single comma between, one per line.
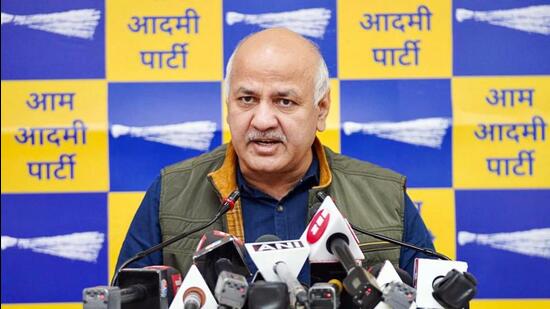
(149,287)
(359,283)
(321,197)
(271,295)
(281,260)
(170,281)
(193,298)
(443,284)
(455,290)
(294,286)
(227,204)
(325,295)
(465,282)
(110,297)
(223,251)
(332,240)
(231,288)
(194,292)
(395,293)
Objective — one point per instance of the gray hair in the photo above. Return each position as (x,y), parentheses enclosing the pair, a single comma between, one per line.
(321,77)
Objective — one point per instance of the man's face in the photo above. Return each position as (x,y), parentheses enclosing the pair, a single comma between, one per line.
(271,114)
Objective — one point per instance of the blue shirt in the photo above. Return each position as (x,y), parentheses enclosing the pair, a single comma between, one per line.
(262,215)
(287,218)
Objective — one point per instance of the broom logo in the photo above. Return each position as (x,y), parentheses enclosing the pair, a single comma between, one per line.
(427,132)
(535,242)
(309,22)
(74,23)
(193,135)
(531,19)
(84,246)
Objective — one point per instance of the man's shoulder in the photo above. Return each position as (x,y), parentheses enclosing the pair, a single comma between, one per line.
(351,166)
(207,162)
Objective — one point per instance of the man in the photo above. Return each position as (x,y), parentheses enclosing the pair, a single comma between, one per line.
(277,98)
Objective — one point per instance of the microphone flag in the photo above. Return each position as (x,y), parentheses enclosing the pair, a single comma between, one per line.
(266,254)
(326,222)
(426,271)
(194,279)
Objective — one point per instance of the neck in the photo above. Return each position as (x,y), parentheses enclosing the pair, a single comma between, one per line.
(277,185)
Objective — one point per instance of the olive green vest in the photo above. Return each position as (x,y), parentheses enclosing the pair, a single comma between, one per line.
(369,196)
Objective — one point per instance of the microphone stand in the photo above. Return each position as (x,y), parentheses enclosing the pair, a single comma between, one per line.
(227,205)
(321,197)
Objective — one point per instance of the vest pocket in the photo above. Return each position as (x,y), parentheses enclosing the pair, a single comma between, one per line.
(377,246)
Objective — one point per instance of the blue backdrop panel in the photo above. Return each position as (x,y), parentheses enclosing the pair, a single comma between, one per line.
(29,53)
(391,145)
(31,276)
(507,265)
(483,45)
(136,159)
(234,31)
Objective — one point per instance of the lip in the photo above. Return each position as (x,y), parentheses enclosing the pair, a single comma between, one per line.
(264,149)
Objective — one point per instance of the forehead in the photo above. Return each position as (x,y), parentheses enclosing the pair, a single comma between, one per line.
(288,61)
(275,73)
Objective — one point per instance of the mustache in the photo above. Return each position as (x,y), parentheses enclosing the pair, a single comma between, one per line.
(272,135)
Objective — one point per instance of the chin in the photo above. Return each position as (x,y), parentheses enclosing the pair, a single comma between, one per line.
(259,164)
(266,168)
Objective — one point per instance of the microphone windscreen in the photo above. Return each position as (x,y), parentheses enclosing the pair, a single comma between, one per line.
(223,264)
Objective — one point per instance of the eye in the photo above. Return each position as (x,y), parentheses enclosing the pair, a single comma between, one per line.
(285,102)
(247,99)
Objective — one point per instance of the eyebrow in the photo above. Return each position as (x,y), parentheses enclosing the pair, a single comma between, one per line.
(245,91)
(282,93)
(287,93)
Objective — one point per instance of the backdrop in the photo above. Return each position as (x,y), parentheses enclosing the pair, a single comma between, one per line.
(98,96)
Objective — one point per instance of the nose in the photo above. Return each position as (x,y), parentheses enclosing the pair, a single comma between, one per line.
(265,117)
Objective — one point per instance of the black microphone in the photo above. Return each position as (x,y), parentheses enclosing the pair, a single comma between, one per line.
(152,287)
(359,283)
(455,290)
(227,204)
(321,197)
(271,295)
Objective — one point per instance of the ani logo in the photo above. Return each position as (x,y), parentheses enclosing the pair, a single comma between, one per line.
(281,245)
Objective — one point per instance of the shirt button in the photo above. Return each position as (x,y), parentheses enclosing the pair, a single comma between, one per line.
(280,208)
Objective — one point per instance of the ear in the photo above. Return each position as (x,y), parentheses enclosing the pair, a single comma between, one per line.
(227,110)
(323,107)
